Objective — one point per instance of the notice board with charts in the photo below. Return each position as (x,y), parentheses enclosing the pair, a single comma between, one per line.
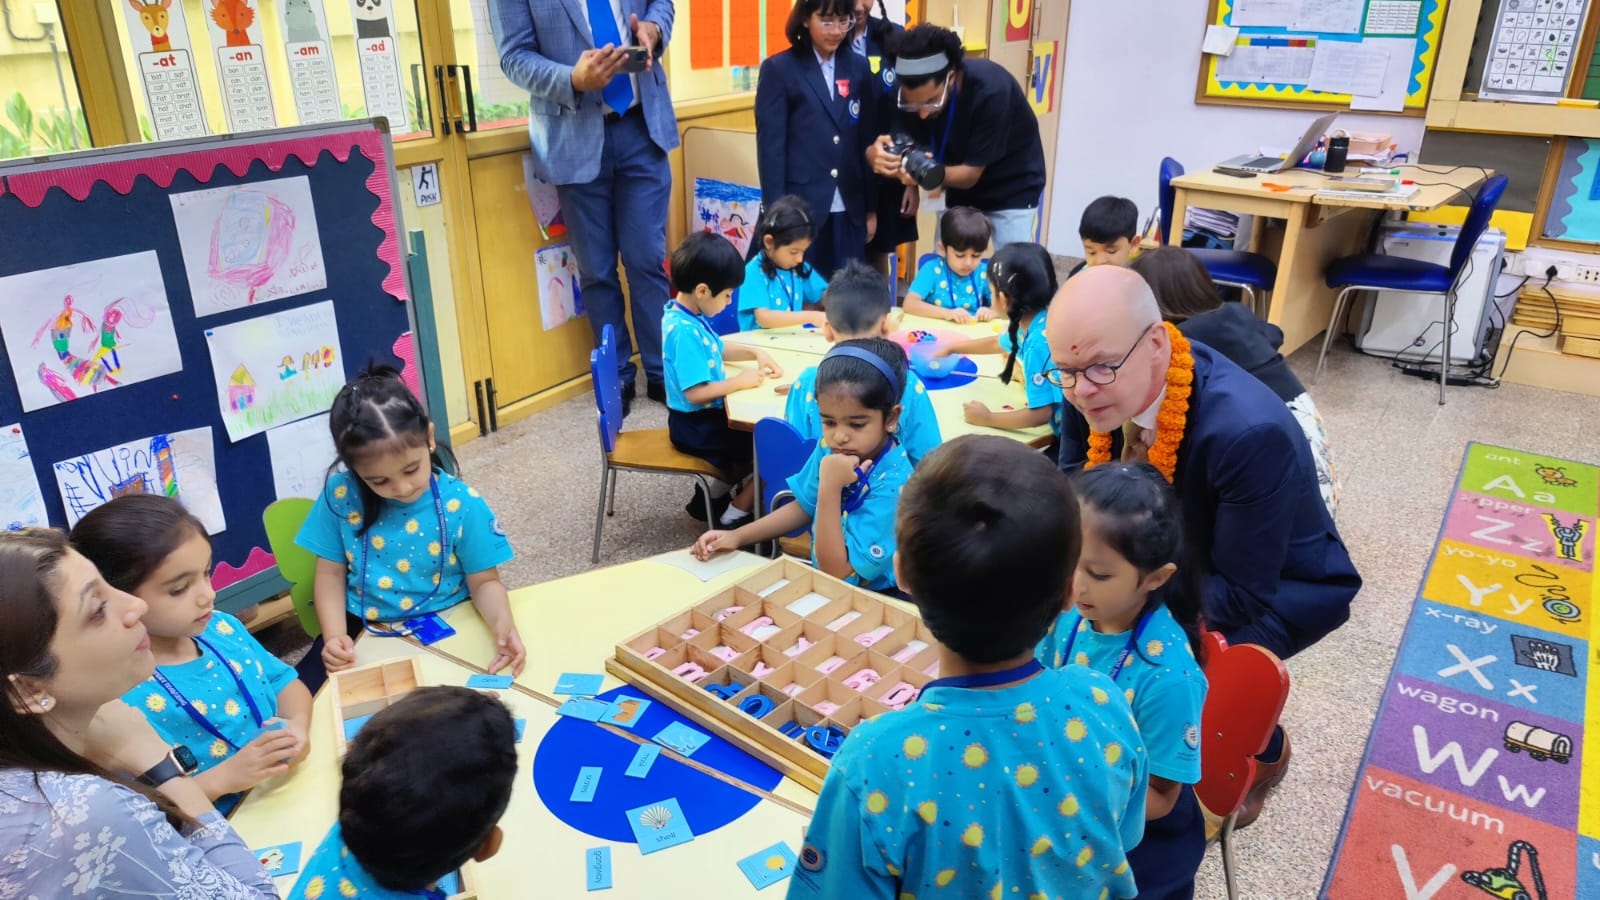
(1372,55)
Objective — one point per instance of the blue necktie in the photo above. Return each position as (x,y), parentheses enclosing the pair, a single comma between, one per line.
(603,23)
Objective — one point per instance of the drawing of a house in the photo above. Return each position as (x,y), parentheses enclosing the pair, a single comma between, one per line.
(241,390)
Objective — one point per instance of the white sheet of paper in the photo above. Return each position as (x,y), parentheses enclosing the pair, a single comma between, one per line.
(277,368)
(312,78)
(1349,67)
(87,328)
(301,454)
(560,297)
(382,84)
(1271,65)
(715,567)
(1331,16)
(1393,16)
(1219,40)
(21,503)
(1396,77)
(1265,13)
(249,244)
(182,464)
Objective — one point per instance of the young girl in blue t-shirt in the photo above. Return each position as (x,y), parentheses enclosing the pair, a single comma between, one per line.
(397,537)
(1136,622)
(780,288)
(215,691)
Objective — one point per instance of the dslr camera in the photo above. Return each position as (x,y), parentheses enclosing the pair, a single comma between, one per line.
(918,161)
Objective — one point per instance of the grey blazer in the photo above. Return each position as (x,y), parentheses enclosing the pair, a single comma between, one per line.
(540,42)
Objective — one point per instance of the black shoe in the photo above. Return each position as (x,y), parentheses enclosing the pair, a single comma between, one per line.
(656,391)
(696,507)
(628,393)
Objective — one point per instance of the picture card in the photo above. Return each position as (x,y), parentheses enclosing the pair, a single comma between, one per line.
(277,368)
(249,244)
(521,725)
(182,464)
(280,859)
(768,867)
(597,868)
(658,826)
(490,682)
(643,759)
(581,684)
(588,782)
(681,738)
(625,711)
(586,708)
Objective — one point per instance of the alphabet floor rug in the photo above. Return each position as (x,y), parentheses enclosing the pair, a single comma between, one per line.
(1478,780)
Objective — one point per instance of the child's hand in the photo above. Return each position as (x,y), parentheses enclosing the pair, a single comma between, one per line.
(837,472)
(985,314)
(976,413)
(959,316)
(302,741)
(747,379)
(767,365)
(338,653)
(508,649)
(268,756)
(713,542)
(940,351)
(782,390)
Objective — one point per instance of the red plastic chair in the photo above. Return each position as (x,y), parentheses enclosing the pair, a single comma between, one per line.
(1248,685)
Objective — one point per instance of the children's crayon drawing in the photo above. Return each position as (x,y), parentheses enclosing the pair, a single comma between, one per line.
(249,244)
(87,327)
(276,368)
(560,296)
(301,454)
(21,504)
(182,464)
(544,201)
(730,210)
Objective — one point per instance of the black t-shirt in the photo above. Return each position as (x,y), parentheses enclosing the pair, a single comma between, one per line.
(1234,331)
(992,126)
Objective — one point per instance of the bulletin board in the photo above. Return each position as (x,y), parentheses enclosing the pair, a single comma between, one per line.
(1570,198)
(222,289)
(1384,20)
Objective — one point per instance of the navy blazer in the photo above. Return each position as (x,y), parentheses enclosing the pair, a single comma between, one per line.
(807,142)
(1274,569)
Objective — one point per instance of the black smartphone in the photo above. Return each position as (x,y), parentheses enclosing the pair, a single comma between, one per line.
(638,59)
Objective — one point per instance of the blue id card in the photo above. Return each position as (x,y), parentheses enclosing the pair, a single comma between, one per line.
(429,629)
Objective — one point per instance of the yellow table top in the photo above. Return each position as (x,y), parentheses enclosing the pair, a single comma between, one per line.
(1434,189)
(539,847)
(811,341)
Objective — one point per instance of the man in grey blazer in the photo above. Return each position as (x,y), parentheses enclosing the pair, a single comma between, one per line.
(601,136)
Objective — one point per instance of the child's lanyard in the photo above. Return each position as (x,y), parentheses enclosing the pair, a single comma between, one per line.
(949,117)
(988,679)
(855,494)
(788,285)
(202,721)
(1128,649)
(701,320)
(971,279)
(444,556)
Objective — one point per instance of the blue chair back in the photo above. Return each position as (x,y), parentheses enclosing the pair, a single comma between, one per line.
(727,321)
(1167,196)
(923,260)
(1477,220)
(607,388)
(780,452)
(894,278)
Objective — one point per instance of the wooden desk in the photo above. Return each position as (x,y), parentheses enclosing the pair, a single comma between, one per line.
(1316,231)
(811,340)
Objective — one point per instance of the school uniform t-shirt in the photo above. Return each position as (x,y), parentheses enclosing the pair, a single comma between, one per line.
(1035,360)
(993,126)
(1162,682)
(919,425)
(785,291)
(1037,788)
(213,693)
(869,530)
(333,873)
(936,284)
(691,353)
(402,566)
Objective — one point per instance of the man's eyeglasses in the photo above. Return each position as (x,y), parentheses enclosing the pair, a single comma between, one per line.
(837,24)
(1100,374)
(933,106)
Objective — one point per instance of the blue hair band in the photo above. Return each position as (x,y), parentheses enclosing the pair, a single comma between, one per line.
(871,359)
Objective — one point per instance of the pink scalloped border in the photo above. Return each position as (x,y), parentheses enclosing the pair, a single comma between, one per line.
(405,349)
(257,562)
(78,180)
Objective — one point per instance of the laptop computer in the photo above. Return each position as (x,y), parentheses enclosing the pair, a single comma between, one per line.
(1252,164)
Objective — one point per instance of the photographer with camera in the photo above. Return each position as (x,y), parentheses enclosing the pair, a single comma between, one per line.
(963,125)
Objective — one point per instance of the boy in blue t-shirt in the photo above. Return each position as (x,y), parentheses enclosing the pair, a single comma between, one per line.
(857,303)
(1003,778)
(955,286)
(425,783)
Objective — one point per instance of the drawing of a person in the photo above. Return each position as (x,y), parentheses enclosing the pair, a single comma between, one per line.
(60,327)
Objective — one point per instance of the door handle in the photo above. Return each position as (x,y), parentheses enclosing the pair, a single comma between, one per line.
(444,100)
(472,105)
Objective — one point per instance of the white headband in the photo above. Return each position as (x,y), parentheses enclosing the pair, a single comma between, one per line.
(914,66)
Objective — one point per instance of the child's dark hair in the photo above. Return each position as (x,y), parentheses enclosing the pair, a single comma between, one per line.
(927,40)
(963,228)
(1026,274)
(1136,513)
(127,538)
(865,381)
(1109,218)
(377,412)
(797,32)
(425,781)
(986,517)
(856,300)
(1182,286)
(706,258)
(786,220)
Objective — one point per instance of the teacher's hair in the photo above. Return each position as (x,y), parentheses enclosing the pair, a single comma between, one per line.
(926,40)
(128,538)
(1180,282)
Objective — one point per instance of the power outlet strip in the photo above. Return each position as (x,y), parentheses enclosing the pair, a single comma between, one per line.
(1589,275)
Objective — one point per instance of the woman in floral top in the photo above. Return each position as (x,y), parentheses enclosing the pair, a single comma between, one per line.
(74,818)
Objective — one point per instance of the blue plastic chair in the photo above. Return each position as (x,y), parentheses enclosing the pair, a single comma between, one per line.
(894,279)
(647,450)
(1376,272)
(727,321)
(1250,272)
(780,453)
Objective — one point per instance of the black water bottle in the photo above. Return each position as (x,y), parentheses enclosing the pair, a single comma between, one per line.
(1338,153)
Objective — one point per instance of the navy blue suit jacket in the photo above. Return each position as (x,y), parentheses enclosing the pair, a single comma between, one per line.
(1274,569)
(809,143)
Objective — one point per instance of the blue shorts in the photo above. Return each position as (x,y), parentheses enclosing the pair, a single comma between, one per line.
(705,433)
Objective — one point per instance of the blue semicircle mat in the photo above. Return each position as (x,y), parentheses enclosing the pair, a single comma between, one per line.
(965,372)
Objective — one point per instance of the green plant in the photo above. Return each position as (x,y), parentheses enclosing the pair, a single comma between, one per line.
(53,130)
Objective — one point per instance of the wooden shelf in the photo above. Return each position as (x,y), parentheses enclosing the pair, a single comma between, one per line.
(1500,117)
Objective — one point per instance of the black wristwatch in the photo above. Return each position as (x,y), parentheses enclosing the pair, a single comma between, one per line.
(177,763)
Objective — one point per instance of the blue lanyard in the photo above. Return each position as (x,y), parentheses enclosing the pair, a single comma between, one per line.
(988,679)
(699,319)
(444,556)
(949,118)
(1128,649)
(202,721)
(788,285)
(856,494)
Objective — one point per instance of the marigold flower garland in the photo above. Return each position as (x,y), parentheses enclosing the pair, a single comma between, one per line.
(1172,418)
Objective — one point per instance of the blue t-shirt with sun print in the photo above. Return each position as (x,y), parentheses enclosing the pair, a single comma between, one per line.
(402,566)
(786,290)
(333,873)
(936,284)
(868,529)
(1162,682)
(213,693)
(1034,788)
(1035,360)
